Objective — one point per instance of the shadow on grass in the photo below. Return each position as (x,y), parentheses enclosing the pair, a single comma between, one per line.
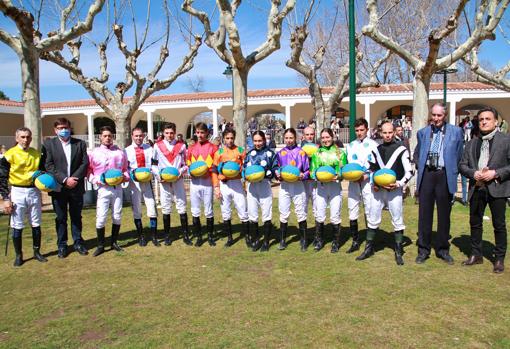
(463,242)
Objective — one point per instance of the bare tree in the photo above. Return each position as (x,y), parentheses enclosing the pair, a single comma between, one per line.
(114,102)
(231,52)
(488,15)
(28,43)
(195,83)
(336,75)
(498,79)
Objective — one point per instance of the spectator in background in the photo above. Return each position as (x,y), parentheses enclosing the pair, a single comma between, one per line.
(3,149)
(253,125)
(311,123)
(180,138)
(301,124)
(270,143)
(475,131)
(193,140)
(408,127)
(503,128)
(400,138)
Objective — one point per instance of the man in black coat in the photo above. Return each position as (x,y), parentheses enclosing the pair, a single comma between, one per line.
(486,163)
(67,160)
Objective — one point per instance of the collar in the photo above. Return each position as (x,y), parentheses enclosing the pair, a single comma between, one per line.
(137,146)
(387,144)
(171,142)
(438,129)
(64,142)
(291,147)
(111,147)
(19,145)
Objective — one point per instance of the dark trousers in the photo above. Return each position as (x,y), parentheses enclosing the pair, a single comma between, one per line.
(434,191)
(479,200)
(61,201)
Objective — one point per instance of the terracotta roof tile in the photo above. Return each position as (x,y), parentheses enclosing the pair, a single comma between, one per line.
(301,91)
(11,103)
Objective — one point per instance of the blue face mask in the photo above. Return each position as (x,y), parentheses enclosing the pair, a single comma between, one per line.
(64,133)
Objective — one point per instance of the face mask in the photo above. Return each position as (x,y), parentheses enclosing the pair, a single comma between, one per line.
(64,133)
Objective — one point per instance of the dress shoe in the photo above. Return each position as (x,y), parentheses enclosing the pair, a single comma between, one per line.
(368,252)
(62,252)
(472,260)
(499,267)
(81,250)
(446,258)
(421,258)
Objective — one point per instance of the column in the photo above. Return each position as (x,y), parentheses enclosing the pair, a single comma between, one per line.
(452,111)
(287,116)
(367,112)
(150,126)
(90,129)
(215,121)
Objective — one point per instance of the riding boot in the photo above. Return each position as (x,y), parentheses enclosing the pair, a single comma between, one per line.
(246,231)
(100,242)
(319,234)
(166,228)
(197,231)
(247,236)
(139,232)
(36,239)
(335,246)
(184,227)
(115,237)
(302,233)
(369,247)
(268,227)
(227,227)
(255,243)
(283,236)
(355,236)
(16,241)
(210,231)
(399,250)
(153,224)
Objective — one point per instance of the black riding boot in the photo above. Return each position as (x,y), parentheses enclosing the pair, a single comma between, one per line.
(254,238)
(283,236)
(139,232)
(197,231)
(36,238)
(154,231)
(268,227)
(369,247)
(355,236)
(184,227)
(335,246)
(227,227)
(399,249)
(210,231)
(246,231)
(115,237)
(166,228)
(319,236)
(302,233)
(16,241)
(100,242)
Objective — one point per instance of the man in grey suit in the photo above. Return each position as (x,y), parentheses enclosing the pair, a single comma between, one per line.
(486,162)
(437,156)
(66,159)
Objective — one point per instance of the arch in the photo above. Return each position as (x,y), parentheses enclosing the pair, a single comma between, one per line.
(272,122)
(470,111)
(205,117)
(397,112)
(100,121)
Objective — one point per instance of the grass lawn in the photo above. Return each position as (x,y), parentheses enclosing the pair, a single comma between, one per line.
(182,296)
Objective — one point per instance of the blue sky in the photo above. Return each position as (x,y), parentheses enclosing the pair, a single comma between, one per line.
(270,73)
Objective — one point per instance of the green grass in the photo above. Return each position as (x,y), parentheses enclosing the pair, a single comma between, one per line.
(182,296)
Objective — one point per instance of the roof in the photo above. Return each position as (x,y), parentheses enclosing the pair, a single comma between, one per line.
(11,103)
(268,93)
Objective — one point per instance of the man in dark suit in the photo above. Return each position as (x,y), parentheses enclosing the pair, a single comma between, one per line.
(437,156)
(66,159)
(486,162)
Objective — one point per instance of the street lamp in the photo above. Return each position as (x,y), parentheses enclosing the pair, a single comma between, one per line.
(450,70)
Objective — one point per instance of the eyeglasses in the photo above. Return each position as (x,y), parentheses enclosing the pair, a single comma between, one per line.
(437,114)
(62,127)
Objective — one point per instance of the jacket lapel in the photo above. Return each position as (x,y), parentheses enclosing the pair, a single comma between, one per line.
(494,146)
(61,151)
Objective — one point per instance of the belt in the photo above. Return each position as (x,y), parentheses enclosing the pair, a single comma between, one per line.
(23,186)
(430,168)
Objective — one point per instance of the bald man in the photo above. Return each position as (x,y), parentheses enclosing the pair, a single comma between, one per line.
(309,137)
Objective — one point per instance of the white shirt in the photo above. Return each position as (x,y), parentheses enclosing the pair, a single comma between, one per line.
(67,152)
(131,155)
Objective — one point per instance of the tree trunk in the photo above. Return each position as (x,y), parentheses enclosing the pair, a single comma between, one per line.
(421,88)
(123,131)
(240,81)
(29,60)
(321,110)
